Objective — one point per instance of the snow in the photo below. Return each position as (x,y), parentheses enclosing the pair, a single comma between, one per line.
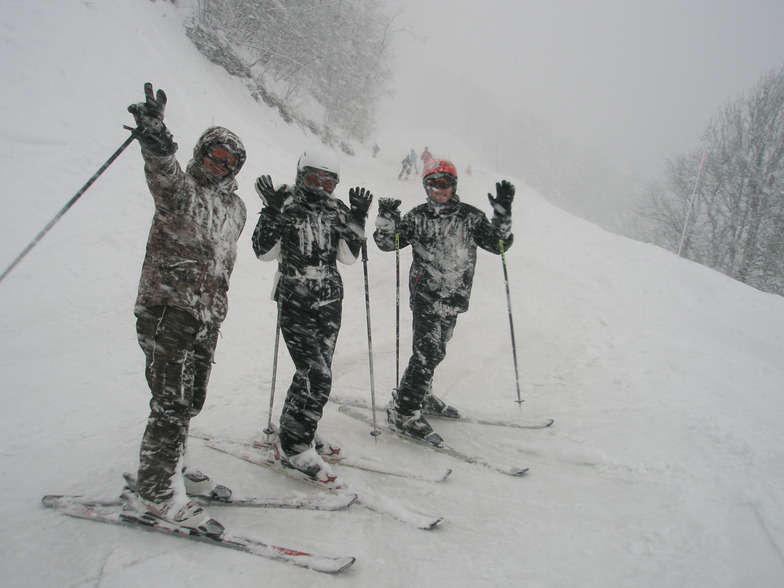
(663,468)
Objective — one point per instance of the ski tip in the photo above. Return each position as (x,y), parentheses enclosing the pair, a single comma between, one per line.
(51,500)
(519,472)
(431,524)
(346,563)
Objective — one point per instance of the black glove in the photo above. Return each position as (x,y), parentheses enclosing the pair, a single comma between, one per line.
(388,208)
(152,133)
(388,214)
(271,197)
(360,200)
(502,203)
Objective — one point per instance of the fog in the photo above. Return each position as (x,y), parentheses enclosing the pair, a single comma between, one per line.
(634,81)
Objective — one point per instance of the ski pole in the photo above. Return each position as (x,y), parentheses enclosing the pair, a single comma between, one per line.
(375,432)
(70,203)
(397,310)
(691,203)
(511,321)
(270,430)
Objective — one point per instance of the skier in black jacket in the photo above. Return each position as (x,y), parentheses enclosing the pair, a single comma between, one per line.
(444,234)
(308,231)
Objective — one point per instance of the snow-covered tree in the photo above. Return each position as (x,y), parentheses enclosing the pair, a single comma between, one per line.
(336,52)
(723,204)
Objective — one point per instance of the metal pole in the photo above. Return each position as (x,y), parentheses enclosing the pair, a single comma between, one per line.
(69,204)
(270,429)
(691,204)
(397,310)
(375,432)
(511,321)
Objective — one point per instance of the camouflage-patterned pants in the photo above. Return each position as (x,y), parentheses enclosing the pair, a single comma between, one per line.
(432,331)
(310,335)
(179,351)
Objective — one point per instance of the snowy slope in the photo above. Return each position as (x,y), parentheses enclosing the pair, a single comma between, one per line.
(664,467)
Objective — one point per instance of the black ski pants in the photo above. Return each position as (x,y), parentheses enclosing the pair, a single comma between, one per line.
(310,334)
(431,332)
(179,352)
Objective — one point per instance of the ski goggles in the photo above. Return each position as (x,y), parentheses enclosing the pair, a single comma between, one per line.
(320,179)
(437,183)
(222,155)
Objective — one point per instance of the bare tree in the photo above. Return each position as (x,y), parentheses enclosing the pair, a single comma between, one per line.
(733,220)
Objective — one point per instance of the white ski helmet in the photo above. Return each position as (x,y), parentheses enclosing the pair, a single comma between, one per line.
(322,159)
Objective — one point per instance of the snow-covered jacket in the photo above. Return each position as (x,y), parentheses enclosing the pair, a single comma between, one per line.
(192,245)
(308,237)
(444,241)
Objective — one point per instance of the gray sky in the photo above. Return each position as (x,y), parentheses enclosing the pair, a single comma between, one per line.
(641,78)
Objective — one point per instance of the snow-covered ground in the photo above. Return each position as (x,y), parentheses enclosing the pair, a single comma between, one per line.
(665,379)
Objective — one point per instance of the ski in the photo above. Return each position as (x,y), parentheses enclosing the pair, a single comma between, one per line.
(108,511)
(369,466)
(323,502)
(513,423)
(326,502)
(383,506)
(528,424)
(451,451)
(358,463)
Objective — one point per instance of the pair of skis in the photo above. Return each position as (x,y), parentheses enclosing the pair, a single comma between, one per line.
(116,512)
(364,417)
(476,420)
(382,505)
(359,410)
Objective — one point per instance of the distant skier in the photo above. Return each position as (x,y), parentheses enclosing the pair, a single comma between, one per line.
(412,157)
(405,168)
(444,234)
(308,231)
(408,165)
(182,301)
(426,158)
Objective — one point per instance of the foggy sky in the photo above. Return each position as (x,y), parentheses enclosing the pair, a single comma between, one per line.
(638,79)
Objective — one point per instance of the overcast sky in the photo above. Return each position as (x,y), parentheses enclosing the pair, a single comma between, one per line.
(640,77)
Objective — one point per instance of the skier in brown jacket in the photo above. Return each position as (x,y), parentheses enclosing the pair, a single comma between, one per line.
(182,301)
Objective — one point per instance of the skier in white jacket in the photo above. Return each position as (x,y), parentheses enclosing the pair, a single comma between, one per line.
(308,230)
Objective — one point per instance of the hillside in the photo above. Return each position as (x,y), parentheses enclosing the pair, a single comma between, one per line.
(664,378)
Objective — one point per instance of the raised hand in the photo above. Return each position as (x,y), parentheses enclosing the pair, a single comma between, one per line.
(269,195)
(502,203)
(360,200)
(148,115)
(150,111)
(388,214)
